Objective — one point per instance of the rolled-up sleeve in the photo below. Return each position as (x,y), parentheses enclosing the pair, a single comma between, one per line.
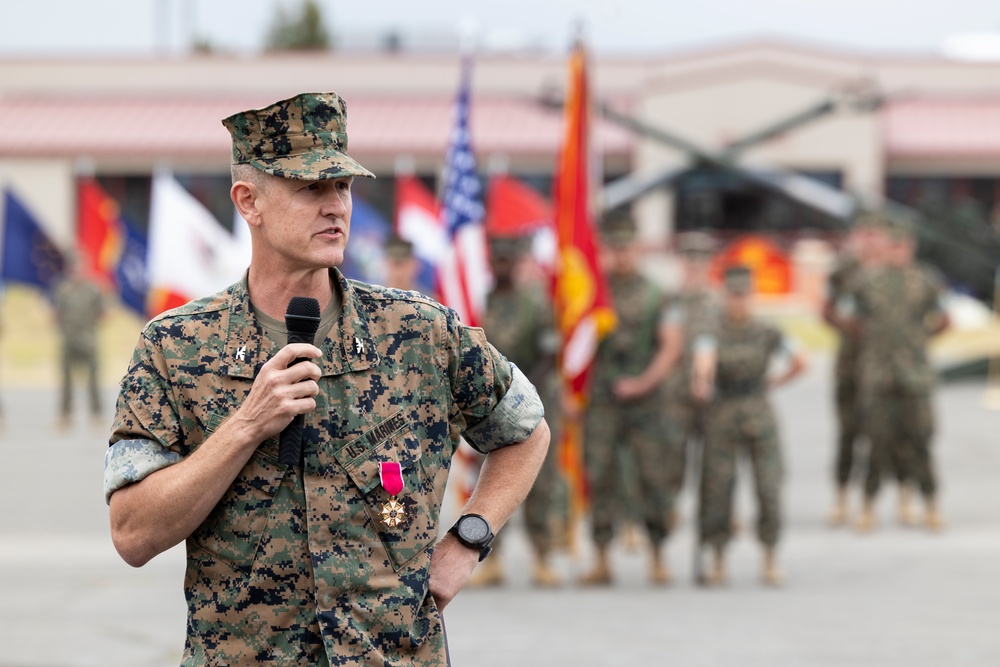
(146,428)
(512,420)
(498,404)
(130,461)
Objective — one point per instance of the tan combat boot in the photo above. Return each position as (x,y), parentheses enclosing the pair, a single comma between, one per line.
(600,574)
(866,522)
(906,506)
(772,573)
(933,520)
(838,517)
(717,575)
(543,575)
(488,573)
(659,571)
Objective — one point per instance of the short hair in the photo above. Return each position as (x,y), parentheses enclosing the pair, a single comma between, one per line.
(249,174)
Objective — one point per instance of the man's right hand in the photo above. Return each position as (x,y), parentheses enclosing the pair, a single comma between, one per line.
(282,390)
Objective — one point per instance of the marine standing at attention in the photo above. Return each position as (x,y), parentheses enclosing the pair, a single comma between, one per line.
(626,409)
(866,247)
(896,309)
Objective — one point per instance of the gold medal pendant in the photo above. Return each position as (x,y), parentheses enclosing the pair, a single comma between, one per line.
(393,513)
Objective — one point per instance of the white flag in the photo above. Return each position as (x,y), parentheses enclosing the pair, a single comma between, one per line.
(190,254)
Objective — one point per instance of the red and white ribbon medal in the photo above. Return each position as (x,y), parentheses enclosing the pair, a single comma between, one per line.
(391,476)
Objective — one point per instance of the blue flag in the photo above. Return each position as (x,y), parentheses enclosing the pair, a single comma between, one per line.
(132,270)
(29,256)
(365,256)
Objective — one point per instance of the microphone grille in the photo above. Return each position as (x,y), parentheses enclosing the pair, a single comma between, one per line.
(303,306)
(302,315)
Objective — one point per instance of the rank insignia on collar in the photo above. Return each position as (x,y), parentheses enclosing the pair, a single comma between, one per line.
(393,513)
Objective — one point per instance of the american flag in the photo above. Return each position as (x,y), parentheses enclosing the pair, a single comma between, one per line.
(463,273)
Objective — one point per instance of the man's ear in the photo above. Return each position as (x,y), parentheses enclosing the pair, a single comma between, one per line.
(245,198)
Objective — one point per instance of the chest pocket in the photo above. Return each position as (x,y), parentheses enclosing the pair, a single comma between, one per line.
(233,531)
(413,527)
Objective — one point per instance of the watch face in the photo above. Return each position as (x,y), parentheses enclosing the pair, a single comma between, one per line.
(473,529)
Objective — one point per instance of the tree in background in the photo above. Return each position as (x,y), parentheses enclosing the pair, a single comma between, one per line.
(302,30)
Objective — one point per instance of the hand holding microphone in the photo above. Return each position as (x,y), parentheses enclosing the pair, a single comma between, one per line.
(302,321)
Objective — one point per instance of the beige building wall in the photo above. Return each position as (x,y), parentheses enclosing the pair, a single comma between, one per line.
(48,189)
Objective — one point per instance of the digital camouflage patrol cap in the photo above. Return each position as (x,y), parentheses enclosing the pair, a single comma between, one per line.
(695,245)
(618,230)
(738,279)
(303,137)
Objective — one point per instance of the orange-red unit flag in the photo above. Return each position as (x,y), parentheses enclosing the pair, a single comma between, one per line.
(583,306)
(99,231)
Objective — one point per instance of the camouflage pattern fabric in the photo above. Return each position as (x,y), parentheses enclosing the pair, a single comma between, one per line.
(686,418)
(846,376)
(897,306)
(900,427)
(79,307)
(740,420)
(303,137)
(294,566)
(636,427)
(520,323)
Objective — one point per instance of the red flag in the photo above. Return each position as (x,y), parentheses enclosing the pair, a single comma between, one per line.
(583,306)
(99,232)
(515,209)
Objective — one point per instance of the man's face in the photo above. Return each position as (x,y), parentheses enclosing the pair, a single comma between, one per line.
(737,305)
(620,259)
(306,223)
(695,272)
(400,272)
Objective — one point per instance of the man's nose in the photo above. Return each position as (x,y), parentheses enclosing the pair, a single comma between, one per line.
(333,203)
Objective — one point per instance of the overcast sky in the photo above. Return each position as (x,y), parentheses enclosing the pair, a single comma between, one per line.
(140,27)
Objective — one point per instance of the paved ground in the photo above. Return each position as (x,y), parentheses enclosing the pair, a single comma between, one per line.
(896,597)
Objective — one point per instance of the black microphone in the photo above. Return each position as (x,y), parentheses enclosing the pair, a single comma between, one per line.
(302,321)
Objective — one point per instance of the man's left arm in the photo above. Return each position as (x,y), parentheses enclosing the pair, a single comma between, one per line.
(503,418)
(504,481)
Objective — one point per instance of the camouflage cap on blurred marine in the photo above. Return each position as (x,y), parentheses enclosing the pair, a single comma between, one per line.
(303,137)
(738,279)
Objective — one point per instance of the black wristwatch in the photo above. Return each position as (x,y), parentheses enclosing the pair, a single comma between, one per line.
(474,531)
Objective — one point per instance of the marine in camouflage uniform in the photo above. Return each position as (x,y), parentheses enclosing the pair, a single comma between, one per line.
(898,307)
(79,308)
(698,310)
(328,562)
(520,323)
(865,248)
(625,412)
(400,264)
(734,361)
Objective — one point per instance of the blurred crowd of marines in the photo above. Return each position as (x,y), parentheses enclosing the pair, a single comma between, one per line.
(680,389)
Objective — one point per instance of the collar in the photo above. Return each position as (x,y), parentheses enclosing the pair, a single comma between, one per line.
(347,348)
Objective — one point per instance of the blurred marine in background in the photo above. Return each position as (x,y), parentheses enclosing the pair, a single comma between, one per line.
(79,308)
(731,371)
(896,308)
(520,323)
(866,248)
(626,411)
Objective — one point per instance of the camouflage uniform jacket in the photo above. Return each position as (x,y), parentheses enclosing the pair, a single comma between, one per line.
(296,566)
(895,306)
(744,351)
(628,350)
(839,284)
(79,306)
